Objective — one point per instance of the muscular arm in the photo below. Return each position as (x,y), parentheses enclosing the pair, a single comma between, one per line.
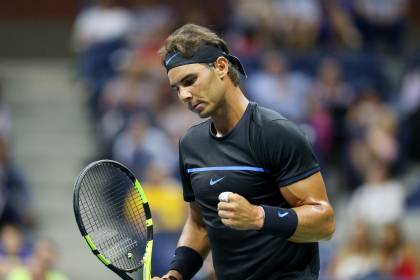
(309,199)
(194,235)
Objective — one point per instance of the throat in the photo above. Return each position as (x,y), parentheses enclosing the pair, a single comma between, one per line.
(229,115)
(216,132)
(219,134)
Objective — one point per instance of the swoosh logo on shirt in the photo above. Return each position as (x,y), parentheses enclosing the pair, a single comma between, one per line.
(215,181)
(282,215)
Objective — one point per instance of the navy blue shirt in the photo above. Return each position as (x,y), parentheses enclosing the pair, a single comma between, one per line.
(263,152)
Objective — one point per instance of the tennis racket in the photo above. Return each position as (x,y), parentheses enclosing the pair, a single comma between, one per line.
(114,217)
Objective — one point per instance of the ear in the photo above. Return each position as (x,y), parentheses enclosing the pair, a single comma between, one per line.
(222,66)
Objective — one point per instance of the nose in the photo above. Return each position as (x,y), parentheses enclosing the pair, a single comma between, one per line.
(184,94)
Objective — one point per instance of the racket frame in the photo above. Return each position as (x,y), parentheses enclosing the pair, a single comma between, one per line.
(147,258)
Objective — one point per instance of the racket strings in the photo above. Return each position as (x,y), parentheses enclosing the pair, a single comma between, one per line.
(113,214)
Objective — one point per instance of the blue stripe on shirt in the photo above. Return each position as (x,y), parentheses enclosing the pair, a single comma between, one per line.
(226,168)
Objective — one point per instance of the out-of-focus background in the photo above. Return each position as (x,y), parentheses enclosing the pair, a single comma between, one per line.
(81,81)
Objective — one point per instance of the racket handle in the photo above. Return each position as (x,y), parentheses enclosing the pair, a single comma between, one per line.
(224,196)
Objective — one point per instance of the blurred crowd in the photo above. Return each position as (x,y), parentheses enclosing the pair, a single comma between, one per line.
(23,254)
(348,72)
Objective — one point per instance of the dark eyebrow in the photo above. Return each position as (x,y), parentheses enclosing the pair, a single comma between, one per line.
(182,80)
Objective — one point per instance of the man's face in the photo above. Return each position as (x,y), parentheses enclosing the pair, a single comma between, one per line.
(199,86)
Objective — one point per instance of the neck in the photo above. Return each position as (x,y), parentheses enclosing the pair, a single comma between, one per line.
(230,112)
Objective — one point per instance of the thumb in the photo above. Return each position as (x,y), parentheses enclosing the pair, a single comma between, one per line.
(224,196)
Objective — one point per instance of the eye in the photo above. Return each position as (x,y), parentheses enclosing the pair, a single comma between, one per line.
(189,81)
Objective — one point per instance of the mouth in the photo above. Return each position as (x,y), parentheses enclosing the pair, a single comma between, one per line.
(196,106)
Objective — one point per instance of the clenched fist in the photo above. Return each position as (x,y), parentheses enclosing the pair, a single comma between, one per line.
(236,212)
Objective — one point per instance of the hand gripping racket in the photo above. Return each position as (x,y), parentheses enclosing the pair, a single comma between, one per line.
(114,217)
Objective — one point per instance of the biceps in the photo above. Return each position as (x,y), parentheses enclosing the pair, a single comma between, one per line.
(309,191)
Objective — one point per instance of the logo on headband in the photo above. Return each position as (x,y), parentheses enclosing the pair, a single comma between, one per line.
(168,60)
(204,54)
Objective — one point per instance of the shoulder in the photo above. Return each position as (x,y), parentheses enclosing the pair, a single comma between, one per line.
(272,123)
(262,115)
(195,133)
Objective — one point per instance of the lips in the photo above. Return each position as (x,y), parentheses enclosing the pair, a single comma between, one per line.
(194,107)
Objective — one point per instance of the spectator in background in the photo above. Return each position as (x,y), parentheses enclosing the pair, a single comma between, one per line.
(150,19)
(329,97)
(410,91)
(14,191)
(298,25)
(142,144)
(14,249)
(100,46)
(15,201)
(40,266)
(374,149)
(371,130)
(356,258)
(398,258)
(248,44)
(115,22)
(298,22)
(134,90)
(378,190)
(175,121)
(339,25)
(381,21)
(410,108)
(274,87)
(329,89)
(253,14)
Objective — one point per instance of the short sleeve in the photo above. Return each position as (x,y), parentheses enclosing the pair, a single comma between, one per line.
(286,152)
(185,178)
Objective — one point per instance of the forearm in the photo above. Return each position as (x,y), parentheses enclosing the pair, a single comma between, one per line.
(315,216)
(193,246)
(315,223)
(194,235)
(306,223)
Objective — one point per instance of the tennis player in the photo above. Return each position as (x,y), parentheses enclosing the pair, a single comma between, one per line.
(269,225)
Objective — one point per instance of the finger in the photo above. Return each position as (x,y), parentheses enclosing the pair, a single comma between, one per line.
(225,214)
(227,222)
(224,206)
(231,223)
(234,197)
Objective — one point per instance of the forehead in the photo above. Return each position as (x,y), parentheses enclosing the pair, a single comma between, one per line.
(178,73)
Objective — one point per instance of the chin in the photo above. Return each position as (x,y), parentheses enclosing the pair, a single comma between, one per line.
(203,115)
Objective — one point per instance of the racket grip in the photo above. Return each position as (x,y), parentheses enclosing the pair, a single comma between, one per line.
(224,196)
